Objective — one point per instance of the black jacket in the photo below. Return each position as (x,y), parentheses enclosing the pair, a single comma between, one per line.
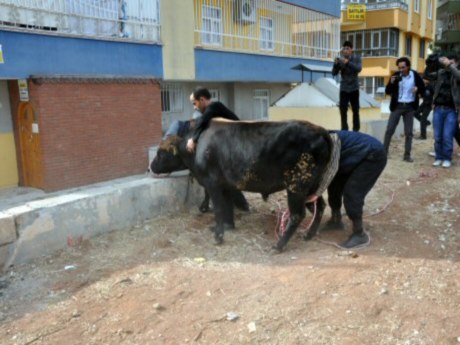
(393,90)
(215,109)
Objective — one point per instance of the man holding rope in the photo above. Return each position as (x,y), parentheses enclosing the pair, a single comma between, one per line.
(356,163)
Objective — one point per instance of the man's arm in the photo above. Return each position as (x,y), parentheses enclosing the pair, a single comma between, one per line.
(356,65)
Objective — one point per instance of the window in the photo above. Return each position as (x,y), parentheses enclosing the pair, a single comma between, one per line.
(212,26)
(422,49)
(408,46)
(370,85)
(430,9)
(382,42)
(261,103)
(214,94)
(172,98)
(266,33)
(417,6)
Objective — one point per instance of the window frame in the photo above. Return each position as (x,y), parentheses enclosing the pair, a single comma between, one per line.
(266,44)
(211,37)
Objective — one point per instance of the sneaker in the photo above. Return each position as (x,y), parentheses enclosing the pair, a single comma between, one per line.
(432,154)
(408,159)
(437,163)
(446,164)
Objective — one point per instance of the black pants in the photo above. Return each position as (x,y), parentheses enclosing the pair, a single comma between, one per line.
(422,116)
(457,135)
(353,99)
(407,113)
(354,185)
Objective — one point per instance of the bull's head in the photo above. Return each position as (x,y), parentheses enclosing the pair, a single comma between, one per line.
(168,158)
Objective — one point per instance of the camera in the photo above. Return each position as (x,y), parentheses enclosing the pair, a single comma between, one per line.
(398,77)
(432,65)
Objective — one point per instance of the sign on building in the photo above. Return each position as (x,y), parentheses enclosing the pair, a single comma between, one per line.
(356,12)
(23,90)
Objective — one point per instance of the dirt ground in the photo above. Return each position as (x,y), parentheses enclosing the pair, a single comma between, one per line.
(165,282)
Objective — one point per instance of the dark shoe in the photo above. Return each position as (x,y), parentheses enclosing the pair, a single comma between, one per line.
(408,159)
(355,240)
(428,123)
(421,137)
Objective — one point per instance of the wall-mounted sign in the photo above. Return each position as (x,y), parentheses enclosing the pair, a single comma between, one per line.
(356,12)
(23,90)
(1,55)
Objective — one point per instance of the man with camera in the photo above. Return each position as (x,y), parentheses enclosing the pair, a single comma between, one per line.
(446,102)
(349,65)
(405,88)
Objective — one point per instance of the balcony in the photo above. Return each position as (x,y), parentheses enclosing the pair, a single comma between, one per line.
(136,20)
(265,27)
(448,7)
(375,5)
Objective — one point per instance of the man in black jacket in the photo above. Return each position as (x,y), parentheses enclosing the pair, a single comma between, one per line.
(405,88)
(203,103)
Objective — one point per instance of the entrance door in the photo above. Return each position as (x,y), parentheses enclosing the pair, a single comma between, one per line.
(30,145)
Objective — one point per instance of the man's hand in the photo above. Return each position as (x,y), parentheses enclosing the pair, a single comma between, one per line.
(191,145)
(312,198)
(414,90)
(445,61)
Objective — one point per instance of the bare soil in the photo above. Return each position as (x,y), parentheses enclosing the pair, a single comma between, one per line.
(165,282)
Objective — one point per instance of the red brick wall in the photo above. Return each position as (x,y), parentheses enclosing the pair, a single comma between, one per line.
(93,131)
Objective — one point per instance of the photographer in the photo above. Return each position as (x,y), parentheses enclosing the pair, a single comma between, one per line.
(349,65)
(405,87)
(446,101)
(424,109)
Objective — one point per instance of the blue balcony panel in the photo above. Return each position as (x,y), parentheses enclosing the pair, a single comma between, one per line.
(232,67)
(34,54)
(331,7)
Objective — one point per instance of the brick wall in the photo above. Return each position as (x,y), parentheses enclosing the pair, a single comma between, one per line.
(95,130)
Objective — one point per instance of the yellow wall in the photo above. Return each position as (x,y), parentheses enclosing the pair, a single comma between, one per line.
(8,164)
(325,117)
(177,23)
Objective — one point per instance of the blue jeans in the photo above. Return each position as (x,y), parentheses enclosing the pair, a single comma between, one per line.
(445,126)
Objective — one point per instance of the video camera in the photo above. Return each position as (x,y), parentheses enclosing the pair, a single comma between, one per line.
(432,65)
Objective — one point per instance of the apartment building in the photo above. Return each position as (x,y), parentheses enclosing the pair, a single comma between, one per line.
(86,86)
(242,50)
(448,25)
(383,30)
(79,90)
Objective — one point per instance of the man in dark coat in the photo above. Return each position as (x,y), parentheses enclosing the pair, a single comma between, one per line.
(405,88)
(361,159)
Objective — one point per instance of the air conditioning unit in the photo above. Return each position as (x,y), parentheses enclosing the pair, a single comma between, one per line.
(245,11)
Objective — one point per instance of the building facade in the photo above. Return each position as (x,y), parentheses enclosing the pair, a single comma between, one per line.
(86,86)
(383,30)
(242,50)
(448,25)
(79,90)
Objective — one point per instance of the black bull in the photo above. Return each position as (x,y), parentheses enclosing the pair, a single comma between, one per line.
(261,157)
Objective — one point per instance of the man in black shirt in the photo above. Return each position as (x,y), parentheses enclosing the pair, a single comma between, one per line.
(203,103)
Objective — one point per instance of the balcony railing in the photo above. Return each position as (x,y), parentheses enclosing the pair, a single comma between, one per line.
(134,20)
(266,27)
(373,5)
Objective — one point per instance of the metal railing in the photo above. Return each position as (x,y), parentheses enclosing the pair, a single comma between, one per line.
(266,27)
(137,20)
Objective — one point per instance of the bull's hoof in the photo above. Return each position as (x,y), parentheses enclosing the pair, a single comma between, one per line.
(227,227)
(243,207)
(204,208)
(219,239)
(309,236)
(278,248)
(330,225)
(355,240)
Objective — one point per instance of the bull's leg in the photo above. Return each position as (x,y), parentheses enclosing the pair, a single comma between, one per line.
(320,206)
(204,207)
(221,203)
(296,204)
(239,200)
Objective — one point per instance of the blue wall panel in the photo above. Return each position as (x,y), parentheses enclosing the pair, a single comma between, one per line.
(331,7)
(227,66)
(33,54)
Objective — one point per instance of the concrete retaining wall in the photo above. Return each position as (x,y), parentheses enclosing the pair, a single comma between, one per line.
(43,226)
